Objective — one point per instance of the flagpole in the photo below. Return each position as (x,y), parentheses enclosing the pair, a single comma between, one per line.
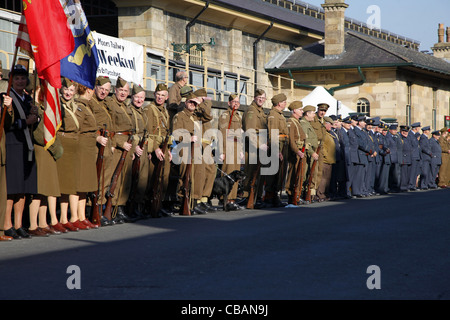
(2,123)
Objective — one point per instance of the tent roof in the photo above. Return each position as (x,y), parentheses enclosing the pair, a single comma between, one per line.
(321,95)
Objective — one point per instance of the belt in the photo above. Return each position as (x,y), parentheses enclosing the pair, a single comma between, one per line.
(124,132)
(68,134)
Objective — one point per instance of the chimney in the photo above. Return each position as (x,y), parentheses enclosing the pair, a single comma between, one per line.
(441,33)
(334,27)
(448,34)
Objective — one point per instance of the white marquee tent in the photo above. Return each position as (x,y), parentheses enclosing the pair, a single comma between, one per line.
(321,95)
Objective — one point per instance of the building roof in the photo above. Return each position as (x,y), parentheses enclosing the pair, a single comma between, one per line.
(360,50)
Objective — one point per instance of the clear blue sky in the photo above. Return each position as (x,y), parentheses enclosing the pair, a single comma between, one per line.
(415,19)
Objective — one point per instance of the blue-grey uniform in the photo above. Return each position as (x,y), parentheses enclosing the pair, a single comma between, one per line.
(415,157)
(371,168)
(425,149)
(436,158)
(406,162)
(359,182)
(385,155)
(395,144)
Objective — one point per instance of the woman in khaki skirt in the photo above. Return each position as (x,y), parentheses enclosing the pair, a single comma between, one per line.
(68,164)
(87,173)
(48,182)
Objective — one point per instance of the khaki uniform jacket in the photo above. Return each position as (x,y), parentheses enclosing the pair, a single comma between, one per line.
(277,121)
(311,141)
(296,135)
(158,125)
(203,113)
(318,126)
(122,117)
(235,133)
(140,122)
(102,116)
(254,118)
(329,149)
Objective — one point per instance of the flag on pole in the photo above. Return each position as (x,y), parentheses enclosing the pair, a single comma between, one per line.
(23,38)
(82,63)
(50,37)
(52,113)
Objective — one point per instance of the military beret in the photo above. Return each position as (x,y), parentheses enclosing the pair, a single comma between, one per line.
(426,128)
(200,93)
(328,119)
(101,80)
(415,125)
(232,97)
(66,82)
(278,98)
(444,129)
(120,83)
(404,128)
(136,89)
(185,90)
(259,92)
(161,87)
(295,105)
(436,133)
(309,108)
(393,127)
(322,106)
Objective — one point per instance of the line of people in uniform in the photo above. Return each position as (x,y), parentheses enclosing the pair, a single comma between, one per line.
(114,155)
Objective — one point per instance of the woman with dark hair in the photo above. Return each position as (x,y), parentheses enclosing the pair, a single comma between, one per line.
(21,176)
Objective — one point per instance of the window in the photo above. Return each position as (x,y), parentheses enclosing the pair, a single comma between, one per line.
(363,106)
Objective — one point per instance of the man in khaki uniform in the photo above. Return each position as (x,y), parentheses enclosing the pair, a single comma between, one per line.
(203,113)
(158,127)
(231,153)
(319,126)
(136,200)
(296,153)
(254,120)
(187,125)
(444,170)
(104,121)
(329,158)
(175,97)
(277,126)
(9,119)
(311,143)
(122,117)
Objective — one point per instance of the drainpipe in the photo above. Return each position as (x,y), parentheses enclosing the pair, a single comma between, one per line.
(190,24)
(255,52)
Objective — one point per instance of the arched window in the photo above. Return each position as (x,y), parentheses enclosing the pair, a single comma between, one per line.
(363,106)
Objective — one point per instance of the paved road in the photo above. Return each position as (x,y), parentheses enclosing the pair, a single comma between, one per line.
(320,251)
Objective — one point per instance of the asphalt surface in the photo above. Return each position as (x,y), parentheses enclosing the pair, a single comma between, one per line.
(316,252)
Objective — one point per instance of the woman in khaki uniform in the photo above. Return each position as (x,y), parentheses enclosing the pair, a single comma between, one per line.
(87,144)
(329,158)
(231,153)
(48,182)
(68,163)
(295,156)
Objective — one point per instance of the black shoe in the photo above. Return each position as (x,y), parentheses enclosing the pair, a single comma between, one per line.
(231,206)
(198,210)
(259,204)
(123,216)
(21,232)
(242,202)
(12,233)
(165,213)
(277,203)
(106,222)
(204,206)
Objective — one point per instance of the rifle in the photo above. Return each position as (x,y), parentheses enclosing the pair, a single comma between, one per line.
(308,192)
(96,207)
(135,175)
(185,204)
(298,181)
(251,196)
(114,180)
(156,190)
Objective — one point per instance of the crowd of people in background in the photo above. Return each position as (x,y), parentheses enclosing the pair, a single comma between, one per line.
(111,161)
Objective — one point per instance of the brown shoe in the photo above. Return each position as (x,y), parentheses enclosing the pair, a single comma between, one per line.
(80,225)
(50,230)
(89,224)
(5,238)
(69,226)
(59,227)
(38,232)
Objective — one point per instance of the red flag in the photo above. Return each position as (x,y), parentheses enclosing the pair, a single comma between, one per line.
(52,114)
(50,37)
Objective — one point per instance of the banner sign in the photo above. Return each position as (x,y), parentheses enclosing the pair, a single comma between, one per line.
(118,57)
